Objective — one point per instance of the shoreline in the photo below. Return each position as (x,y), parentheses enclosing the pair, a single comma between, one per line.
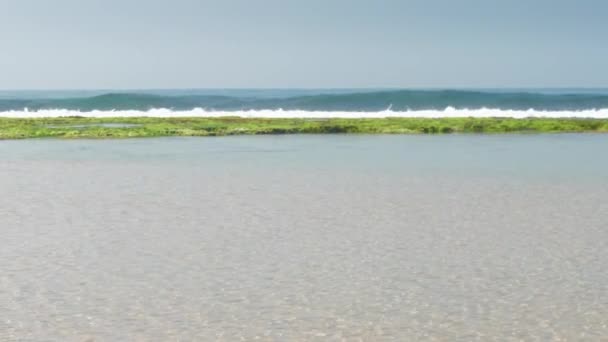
(140,127)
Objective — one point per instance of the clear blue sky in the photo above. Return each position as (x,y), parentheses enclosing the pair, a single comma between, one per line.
(62,44)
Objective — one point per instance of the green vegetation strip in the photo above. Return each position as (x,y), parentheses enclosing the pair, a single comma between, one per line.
(80,127)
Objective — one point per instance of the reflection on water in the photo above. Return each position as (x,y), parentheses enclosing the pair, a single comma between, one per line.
(305,237)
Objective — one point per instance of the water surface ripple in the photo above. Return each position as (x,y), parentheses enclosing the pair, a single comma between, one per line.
(305,238)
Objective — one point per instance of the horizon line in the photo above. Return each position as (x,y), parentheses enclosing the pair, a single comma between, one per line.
(306,88)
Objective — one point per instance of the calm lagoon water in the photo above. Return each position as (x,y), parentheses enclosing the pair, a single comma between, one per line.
(305,238)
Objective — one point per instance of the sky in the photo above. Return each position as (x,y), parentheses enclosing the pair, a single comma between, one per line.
(127,44)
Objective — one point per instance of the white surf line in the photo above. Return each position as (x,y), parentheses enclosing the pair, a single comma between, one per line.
(199,112)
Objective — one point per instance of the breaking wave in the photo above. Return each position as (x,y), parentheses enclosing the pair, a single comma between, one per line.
(269,113)
(386,103)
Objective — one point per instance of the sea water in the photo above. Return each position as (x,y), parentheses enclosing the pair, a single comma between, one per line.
(458,237)
(314,103)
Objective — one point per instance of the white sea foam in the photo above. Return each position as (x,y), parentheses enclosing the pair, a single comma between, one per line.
(200,112)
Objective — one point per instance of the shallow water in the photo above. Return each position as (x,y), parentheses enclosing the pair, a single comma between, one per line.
(100,125)
(305,237)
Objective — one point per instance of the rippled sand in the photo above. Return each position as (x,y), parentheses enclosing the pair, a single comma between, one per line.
(305,238)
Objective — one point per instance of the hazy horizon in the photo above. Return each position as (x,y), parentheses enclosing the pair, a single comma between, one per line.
(438,88)
(188,44)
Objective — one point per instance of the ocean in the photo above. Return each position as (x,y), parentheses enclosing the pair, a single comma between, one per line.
(305,237)
(314,103)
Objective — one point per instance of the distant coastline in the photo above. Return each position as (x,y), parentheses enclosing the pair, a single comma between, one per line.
(306,103)
(217,112)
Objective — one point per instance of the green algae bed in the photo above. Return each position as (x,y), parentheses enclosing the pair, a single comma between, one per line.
(81,127)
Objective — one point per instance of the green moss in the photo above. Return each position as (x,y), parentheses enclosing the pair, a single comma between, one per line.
(80,127)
